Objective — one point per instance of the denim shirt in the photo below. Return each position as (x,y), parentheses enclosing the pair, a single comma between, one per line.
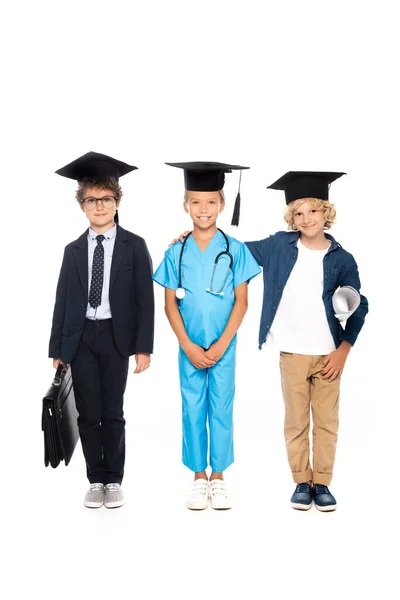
(277,254)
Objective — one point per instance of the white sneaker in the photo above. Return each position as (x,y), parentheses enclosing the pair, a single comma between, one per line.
(114,495)
(219,495)
(198,495)
(94,496)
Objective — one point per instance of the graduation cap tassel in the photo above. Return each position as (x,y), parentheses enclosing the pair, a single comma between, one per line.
(116,219)
(236,210)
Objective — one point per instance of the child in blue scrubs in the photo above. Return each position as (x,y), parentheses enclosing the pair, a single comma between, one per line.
(205,281)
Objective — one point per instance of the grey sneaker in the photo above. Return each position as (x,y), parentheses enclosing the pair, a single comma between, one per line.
(95,496)
(114,495)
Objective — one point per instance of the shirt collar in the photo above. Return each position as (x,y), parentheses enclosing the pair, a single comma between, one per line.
(293,236)
(111,233)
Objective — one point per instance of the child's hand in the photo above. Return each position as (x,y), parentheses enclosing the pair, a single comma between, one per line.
(333,364)
(57,361)
(180,238)
(215,352)
(198,357)
(142,362)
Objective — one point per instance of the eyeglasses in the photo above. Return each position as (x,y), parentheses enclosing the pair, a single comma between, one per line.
(91,203)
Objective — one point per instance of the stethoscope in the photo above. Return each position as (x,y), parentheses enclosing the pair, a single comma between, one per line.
(181,293)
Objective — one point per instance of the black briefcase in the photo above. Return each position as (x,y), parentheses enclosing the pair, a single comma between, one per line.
(59,420)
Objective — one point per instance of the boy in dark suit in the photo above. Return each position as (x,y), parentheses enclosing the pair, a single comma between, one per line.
(103,313)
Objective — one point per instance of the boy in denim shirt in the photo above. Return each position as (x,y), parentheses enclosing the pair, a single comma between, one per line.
(302,270)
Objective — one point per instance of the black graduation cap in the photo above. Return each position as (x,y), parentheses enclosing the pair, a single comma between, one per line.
(96,166)
(209,177)
(305,184)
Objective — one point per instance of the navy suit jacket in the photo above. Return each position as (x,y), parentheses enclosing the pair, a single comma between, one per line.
(131,297)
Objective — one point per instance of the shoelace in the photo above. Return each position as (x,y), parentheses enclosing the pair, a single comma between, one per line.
(111,487)
(218,488)
(303,488)
(96,487)
(321,489)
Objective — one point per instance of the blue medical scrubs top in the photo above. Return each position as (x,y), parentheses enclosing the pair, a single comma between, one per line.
(204,314)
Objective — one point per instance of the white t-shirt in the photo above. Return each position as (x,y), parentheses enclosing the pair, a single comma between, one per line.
(300,325)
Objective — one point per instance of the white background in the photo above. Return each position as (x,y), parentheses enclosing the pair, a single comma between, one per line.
(276,86)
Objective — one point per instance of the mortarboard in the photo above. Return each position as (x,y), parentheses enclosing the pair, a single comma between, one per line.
(305,184)
(209,177)
(95,165)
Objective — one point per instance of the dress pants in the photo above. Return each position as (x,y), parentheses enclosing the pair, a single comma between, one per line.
(99,374)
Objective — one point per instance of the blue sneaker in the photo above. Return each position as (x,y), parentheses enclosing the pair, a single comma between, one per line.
(302,497)
(323,499)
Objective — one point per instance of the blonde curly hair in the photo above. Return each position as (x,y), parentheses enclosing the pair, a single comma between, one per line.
(324,205)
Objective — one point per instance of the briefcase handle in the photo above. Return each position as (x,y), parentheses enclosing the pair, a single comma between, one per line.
(58,376)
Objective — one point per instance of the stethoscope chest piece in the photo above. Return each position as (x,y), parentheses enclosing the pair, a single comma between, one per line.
(180,293)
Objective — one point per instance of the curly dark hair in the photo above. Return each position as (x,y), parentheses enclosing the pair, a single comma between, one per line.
(106,183)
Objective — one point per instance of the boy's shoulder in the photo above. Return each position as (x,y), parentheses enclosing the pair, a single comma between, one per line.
(344,253)
(129,235)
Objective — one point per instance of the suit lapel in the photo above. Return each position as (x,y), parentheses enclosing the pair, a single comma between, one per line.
(118,253)
(81,260)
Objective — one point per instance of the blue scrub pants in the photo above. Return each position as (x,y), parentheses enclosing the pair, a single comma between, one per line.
(207,394)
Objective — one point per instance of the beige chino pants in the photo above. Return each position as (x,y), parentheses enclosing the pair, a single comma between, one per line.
(303,388)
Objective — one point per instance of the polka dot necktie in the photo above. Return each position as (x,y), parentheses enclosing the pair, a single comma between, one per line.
(96,285)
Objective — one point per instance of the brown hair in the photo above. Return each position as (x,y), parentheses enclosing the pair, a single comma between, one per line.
(107,183)
(328,209)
